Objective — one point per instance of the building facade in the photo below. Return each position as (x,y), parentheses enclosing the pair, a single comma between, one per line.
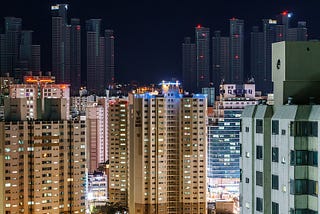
(224,130)
(279,158)
(167,164)
(36,90)
(43,158)
(118,139)
(97,133)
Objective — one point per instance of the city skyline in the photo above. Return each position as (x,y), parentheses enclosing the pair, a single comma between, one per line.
(148,36)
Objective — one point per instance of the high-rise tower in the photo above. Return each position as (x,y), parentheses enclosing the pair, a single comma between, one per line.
(273,31)
(236,73)
(95,57)
(220,59)
(109,54)
(66,48)
(167,152)
(75,56)
(189,74)
(43,162)
(202,57)
(18,56)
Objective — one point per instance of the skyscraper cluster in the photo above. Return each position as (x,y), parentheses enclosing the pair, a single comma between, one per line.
(100,57)
(18,54)
(227,58)
(20,57)
(273,30)
(66,52)
(227,61)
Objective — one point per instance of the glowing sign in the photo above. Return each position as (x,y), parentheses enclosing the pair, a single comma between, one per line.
(271,21)
(55,7)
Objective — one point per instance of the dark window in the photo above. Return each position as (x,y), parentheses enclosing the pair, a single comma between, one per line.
(303,158)
(247,129)
(275,126)
(259,126)
(292,158)
(302,211)
(275,182)
(259,202)
(275,154)
(259,178)
(275,208)
(259,153)
(304,129)
(283,132)
(313,158)
(247,180)
(303,187)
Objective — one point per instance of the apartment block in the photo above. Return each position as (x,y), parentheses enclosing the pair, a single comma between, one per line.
(167,152)
(280,143)
(118,140)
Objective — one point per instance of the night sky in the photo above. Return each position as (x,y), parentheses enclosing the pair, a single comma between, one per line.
(149,34)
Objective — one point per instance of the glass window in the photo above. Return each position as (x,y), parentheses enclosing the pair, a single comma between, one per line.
(259,178)
(275,154)
(303,157)
(259,126)
(275,182)
(304,129)
(259,202)
(304,187)
(292,158)
(259,152)
(275,126)
(275,208)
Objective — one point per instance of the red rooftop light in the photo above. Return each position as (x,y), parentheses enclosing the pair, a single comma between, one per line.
(284,13)
(199,26)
